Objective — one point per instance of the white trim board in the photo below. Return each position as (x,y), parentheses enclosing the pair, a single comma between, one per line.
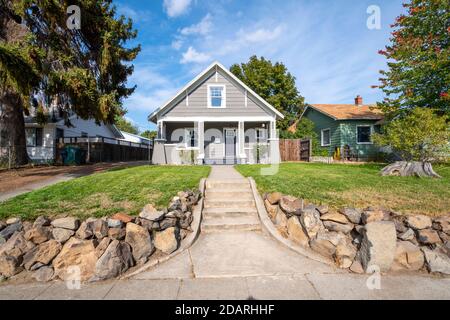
(216,119)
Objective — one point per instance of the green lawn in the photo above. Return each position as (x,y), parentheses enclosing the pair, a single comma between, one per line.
(357,185)
(118,190)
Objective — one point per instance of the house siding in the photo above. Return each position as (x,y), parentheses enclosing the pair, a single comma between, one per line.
(235,101)
(349,137)
(321,122)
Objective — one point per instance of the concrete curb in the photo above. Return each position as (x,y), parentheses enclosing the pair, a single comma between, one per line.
(270,229)
(186,244)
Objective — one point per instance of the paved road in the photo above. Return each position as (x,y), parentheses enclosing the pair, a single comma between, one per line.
(238,264)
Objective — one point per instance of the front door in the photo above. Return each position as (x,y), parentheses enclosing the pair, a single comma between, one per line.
(230,143)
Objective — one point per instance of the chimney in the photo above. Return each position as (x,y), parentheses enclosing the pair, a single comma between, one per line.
(358,100)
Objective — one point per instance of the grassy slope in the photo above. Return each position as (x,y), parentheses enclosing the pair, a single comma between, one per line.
(118,190)
(357,185)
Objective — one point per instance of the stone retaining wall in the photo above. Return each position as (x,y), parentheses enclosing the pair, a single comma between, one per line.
(364,240)
(95,249)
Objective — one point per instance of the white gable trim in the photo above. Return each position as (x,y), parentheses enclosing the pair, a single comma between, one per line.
(215,65)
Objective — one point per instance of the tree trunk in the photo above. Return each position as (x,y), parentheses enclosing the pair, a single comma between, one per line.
(413,168)
(12,122)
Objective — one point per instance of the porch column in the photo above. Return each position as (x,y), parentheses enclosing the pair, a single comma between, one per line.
(201,141)
(159,151)
(274,143)
(241,142)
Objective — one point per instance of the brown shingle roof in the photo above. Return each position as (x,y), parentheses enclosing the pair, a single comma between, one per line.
(349,111)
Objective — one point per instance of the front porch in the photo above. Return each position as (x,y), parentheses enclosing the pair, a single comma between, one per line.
(216,142)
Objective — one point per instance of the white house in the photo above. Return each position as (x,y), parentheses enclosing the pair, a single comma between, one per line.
(216,119)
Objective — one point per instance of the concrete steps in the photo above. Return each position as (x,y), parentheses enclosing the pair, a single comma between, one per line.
(229,206)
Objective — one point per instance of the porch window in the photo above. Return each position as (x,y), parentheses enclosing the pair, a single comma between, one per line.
(325,140)
(191,138)
(364,134)
(216,96)
(33,137)
(260,135)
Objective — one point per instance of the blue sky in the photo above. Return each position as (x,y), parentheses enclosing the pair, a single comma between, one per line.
(325,44)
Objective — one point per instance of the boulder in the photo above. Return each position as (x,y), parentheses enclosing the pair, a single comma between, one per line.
(42,221)
(338,227)
(37,235)
(282,231)
(2,225)
(114,223)
(352,214)
(117,233)
(442,224)
(295,231)
(150,213)
(345,254)
(27,225)
(69,223)
(139,240)
(271,210)
(444,236)
(115,260)
(16,246)
(8,231)
(281,219)
(418,222)
(167,240)
(9,266)
(85,231)
(102,246)
(168,223)
(436,261)
(62,235)
(122,217)
(44,253)
(185,223)
(310,220)
(325,243)
(378,245)
(447,248)
(372,216)
(77,256)
(407,235)
(323,209)
(291,205)
(428,236)
(408,256)
(335,217)
(13,220)
(175,204)
(274,197)
(100,228)
(357,267)
(44,274)
(400,224)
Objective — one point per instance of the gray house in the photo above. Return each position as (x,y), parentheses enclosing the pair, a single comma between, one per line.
(216,119)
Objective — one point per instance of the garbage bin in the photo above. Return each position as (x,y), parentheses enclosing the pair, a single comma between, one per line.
(74,156)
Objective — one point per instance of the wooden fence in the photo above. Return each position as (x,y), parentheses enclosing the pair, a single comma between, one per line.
(100,149)
(295,149)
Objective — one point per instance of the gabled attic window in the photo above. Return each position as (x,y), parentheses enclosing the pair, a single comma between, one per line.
(216,96)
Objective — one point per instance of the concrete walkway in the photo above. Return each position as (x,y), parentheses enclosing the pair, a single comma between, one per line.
(230,261)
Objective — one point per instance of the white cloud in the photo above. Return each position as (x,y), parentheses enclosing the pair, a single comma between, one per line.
(175,8)
(260,35)
(203,27)
(192,55)
(177,44)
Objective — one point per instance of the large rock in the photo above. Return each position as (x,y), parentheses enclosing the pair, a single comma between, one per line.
(400,223)
(281,219)
(139,240)
(379,244)
(372,216)
(44,253)
(13,220)
(100,228)
(291,205)
(16,246)
(271,210)
(274,197)
(408,235)
(9,266)
(408,256)
(310,220)
(37,235)
(77,258)
(295,231)
(114,223)
(437,261)
(352,214)
(345,254)
(102,246)
(168,223)
(338,227)
(2,225)
(325,242)
(117,233)
(167,240)
(41,221)
(122,217)
(44,274)
(116,260)
(419,222)
(428,236)
(85,231)
(335,217)
(62,235)
(442,224)
(357,267)
(8,231)
(150,213)
(69,223)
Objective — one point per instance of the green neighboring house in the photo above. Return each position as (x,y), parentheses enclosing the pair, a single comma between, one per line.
(346,126)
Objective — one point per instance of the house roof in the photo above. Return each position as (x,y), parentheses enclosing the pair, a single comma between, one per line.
(348,111)
(215,65)
(134,137)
